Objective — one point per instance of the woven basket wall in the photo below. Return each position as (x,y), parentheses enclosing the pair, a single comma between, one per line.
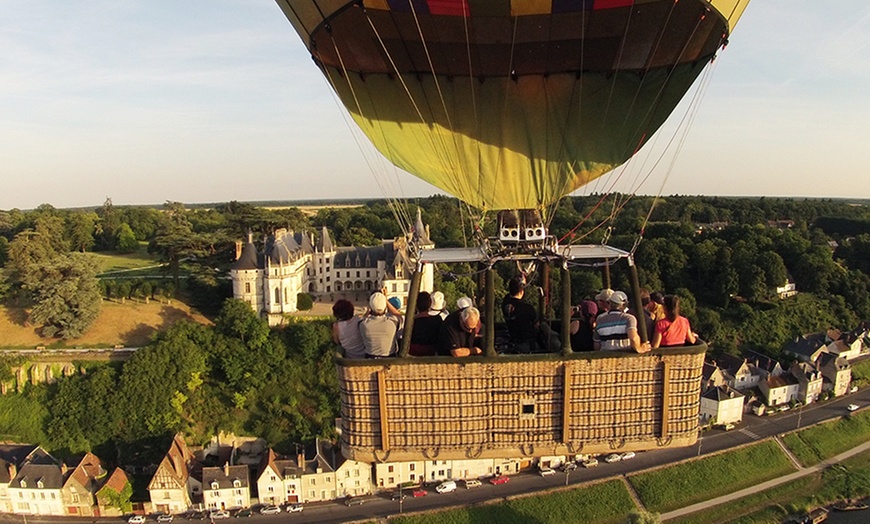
(519,406)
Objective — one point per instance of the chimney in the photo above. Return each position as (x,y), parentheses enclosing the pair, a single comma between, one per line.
(226,469)
(238,249)
(300,461)
(13,471)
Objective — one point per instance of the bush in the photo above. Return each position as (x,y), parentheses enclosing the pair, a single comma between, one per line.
(304,302)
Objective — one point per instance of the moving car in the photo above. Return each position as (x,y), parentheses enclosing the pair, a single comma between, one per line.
(270,510)
(448,486)
(546,472)
(398,495)
(295,508)
(472,483)
(613,457)
(590,462)
(136,519)
(165,517)
(628,455)
(222,514)
(247,512)
(852,407)
(354,501)
(568,467)
(503,479)
(419,492)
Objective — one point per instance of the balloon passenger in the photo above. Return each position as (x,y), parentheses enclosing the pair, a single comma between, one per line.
(437,307)
(379,329)
(460,334)
(528,333)
(427,328)
(583,326)
(345,330)
(674,329)
(616,330)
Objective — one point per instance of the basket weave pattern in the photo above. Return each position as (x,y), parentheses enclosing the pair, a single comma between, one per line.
(514,407)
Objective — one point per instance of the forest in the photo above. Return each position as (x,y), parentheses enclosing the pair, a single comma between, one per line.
(725,257)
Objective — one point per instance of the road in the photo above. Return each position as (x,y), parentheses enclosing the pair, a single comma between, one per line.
(750,430)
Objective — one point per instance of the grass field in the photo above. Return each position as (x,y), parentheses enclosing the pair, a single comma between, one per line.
(707,478)
(130,324)
(861,373)
(812,445)
(604,503)
(110,262)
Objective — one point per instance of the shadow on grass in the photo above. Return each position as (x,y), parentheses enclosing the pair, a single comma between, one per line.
(139,335)
(17,316)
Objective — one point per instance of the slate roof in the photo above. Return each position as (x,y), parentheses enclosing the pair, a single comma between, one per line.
(762,361)
(225,476)
(249,258)
(13,455)
(324,243)
(804,347)
(781,381)
(721,393)
(39,466)
(831,360)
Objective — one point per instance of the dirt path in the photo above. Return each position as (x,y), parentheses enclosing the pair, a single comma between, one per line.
(130,324)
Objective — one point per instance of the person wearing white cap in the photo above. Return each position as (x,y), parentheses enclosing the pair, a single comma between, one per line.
(379,329)
(616,330)
(437,307)
(603,299)
(463,302)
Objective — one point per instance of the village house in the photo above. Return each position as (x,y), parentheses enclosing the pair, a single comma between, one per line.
(279,479)
(293,262)
(175,483)
(836,373)
(711,376)
(226,487)
(389,476)
(806,348)
(737,372)
(35,489)
(809,379)
(848,345)
(79,492)
(12,456)
(721,405)
(108,496)
(780,390)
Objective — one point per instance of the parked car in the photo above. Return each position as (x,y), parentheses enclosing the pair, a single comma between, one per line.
(165,517)
(136,519)
(448,486)
(546,472)
(398,495)
(628,455)
(590,462)
(222,514)
(270,510)
(852,407)
(570,466)
(354,501)
(472,483)
(502,479)
(419,492)
(196,515)
(244,513)
(613,457)
(295,508)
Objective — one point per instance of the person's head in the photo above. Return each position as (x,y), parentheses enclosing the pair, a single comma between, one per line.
(463,302)
(342,310)
(378,303)
(603,298)
(618,301)
(588,309)
(645,300)
(657,297)
(437,302)
(470,318)
(516,286)
(672,307)
(424,301)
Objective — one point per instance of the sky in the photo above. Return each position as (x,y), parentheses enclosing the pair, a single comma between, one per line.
(144,101)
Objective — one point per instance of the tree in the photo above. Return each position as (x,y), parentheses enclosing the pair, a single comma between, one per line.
(66,296)
(175,239)
(125,239)
(304,302)
(643,517)
(80,230)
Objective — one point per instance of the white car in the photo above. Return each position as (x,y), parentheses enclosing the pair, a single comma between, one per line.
(448,486)
(613,457)
(628,455)
(136,519)
(270,510)
(295,508)
(472,483)
(852,407)
(222,514)
(590,462)
(546,472)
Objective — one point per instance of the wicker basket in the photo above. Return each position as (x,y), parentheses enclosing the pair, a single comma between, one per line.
(516,406)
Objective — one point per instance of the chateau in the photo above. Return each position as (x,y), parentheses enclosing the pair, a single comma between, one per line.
(297,262)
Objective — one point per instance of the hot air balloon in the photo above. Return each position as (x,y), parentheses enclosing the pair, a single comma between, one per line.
(510,105)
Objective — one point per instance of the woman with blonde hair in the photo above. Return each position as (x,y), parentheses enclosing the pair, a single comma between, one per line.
(674,329)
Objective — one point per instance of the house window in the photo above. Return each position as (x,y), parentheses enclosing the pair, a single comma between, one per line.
(271,489)
(237,483)
(215,485)
(390,469)
(313,481)
(75,498)
(238,492)
(166,495)
(413,477)
(412,467)
(311,494)
(356,473)
(391,481)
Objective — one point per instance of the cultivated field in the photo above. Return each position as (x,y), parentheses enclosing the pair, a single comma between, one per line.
(130,324)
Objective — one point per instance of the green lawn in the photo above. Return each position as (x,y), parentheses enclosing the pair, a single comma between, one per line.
(691,482)
(607,502)
(861,373)
(814,444)
(119,262)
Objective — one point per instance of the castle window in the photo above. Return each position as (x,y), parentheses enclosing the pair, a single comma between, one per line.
(327,289)
(277,296)
(247,287)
